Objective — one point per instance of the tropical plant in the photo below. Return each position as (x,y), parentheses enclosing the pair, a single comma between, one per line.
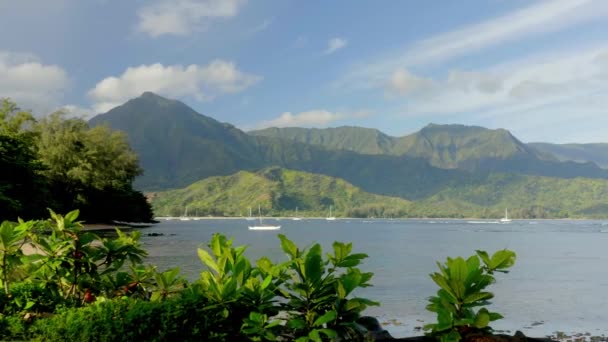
(316,294)
(462,285)
(72,261)
(234,288)
(12,239)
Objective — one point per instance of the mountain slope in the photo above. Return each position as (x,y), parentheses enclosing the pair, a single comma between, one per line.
(582,153)
(356,139)
(469,148)
(178,146)
(278,192)
(525,196)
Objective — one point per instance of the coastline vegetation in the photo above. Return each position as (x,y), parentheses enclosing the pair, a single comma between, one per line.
(61,163)
(74,285)
(280,191)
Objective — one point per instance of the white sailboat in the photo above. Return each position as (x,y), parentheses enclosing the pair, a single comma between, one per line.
(185,217)
(250,218)
(506,219)
(261,225)
(296,218)
(330,217)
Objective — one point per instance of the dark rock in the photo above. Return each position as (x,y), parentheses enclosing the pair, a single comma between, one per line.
(155,234)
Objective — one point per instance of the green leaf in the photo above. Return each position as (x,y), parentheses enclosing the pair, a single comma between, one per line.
(495,316)
(502,259)
(329,333)
(296,323)
(327,317)
(441,281)
(266,282)
(207,259)
(478,296)
(288,246)
(482,319)
(485,258)
(313,265)
(72,215)
(314,335)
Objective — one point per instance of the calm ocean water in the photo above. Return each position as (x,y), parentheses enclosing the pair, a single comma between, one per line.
(559,282)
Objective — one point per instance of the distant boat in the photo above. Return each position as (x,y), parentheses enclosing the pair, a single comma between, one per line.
(250,218)
(261,225)
(296,218)
(330,217)
(505,219)
(185,217)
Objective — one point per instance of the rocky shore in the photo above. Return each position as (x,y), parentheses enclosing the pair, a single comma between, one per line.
(378,333)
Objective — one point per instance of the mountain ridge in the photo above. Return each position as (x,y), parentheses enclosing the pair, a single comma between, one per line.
(178,146)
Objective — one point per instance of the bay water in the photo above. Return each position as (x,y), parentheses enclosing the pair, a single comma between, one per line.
(559,281)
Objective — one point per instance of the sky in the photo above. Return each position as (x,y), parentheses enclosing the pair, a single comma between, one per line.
(537,68)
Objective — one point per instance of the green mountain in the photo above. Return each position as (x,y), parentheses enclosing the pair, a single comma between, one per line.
(445,146)
(356,139)
(525,196)
(177,146)
(278,192)
(470,148)
(581,153)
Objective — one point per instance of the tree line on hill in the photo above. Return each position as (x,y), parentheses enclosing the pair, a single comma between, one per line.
(61,163)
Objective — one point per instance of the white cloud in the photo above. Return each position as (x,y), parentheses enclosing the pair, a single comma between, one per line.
(182,17)
(31,84)
(335,44)
(560,93)
(311,118)
(201,82)
(539,18)
(404,82)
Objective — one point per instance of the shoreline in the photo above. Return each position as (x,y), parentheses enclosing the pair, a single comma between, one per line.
(489,220)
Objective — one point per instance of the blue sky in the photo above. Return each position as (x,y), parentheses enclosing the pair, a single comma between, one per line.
(537,68)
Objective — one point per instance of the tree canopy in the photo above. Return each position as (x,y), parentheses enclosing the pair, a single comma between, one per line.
(63,164)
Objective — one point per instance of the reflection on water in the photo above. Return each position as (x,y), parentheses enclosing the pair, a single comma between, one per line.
(560,278)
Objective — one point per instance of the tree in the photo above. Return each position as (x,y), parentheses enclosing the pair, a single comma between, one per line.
(90,168)
(23,191)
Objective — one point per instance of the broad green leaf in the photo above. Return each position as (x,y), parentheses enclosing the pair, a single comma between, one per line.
(72,215)
(329,333)
(458,270)
(288,246)
(441,281)
(207,260)
(216,244)
(266,282)
(327,317)
(495,316)
(314,335)
(485,258)
(482,319)
(503,259)
(296,323)
(313,266)
(478,296)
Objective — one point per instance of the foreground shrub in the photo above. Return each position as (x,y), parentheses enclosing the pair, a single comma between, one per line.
(76,286)
(461,289)
(182,318)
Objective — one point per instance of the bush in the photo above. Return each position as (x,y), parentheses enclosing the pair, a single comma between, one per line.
(182,318)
